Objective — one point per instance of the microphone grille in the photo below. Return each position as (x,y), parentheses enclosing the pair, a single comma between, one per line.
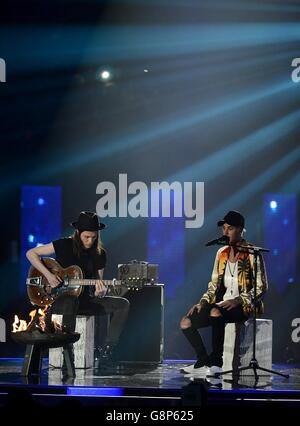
(225,239)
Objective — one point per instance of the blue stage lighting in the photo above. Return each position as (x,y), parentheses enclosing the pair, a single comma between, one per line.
(31,238)
(85,391)
(280,236)
(36,228)
(166,239)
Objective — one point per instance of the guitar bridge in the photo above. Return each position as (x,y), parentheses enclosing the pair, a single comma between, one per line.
(36,281)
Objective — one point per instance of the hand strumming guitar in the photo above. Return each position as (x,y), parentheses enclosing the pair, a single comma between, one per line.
(53,280)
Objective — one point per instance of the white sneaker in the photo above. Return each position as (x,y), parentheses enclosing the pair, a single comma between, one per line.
(198,372)
(193,368)
(188,369)
(213,370)
(214,381)
(202,371)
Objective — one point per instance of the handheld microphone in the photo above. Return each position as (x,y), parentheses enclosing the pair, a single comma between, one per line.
(222,240)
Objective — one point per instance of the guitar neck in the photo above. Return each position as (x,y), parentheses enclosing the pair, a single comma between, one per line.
(108,283)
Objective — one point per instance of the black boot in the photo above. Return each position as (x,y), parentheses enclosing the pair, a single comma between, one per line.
(218,332)
(105,359)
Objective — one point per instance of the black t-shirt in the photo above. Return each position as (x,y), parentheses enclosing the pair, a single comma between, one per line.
(89,261)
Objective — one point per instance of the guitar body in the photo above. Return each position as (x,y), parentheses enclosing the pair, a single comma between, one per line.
(43,295)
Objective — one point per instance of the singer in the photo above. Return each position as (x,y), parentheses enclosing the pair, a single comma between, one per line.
(228,297)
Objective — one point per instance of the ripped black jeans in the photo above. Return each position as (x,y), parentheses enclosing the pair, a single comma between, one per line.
(203,319)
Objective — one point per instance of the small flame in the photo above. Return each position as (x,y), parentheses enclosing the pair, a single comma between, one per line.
(42,314)
(42,311)
(57,325)
(21,325)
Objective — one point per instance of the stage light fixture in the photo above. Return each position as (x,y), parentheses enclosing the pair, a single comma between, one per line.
(104,75)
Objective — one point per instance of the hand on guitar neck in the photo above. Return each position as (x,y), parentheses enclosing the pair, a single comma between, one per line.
(100,289)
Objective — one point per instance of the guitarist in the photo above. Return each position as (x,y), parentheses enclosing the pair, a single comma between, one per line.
(84,248)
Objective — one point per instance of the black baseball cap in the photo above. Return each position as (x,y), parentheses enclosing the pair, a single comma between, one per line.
(233,218)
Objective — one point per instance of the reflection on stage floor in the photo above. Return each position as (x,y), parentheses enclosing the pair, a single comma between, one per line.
(167,375)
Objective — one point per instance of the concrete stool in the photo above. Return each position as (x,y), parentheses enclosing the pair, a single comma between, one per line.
(83,349)
(238,345)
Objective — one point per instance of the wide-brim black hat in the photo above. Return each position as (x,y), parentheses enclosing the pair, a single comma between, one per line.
(88,221)
(233,218)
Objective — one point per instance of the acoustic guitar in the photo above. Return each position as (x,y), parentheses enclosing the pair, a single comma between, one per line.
(42,294)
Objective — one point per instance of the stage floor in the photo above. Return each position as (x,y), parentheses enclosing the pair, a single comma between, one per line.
(165,376)
(151,385)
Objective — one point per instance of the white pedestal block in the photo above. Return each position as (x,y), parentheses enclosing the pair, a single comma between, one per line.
(83,348)
(238,345)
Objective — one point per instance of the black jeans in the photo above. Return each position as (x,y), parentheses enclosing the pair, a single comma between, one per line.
(116,307)
(203,319)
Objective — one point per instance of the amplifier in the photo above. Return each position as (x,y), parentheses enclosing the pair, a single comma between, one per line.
(138,271)
(142,338)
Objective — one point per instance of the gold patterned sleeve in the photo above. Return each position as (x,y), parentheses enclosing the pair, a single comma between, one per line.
(262,281)
(210,295)
(246,298)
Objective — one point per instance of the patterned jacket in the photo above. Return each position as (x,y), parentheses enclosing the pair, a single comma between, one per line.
(216,288)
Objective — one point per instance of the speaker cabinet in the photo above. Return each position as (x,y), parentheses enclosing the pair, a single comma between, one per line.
(142,338)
